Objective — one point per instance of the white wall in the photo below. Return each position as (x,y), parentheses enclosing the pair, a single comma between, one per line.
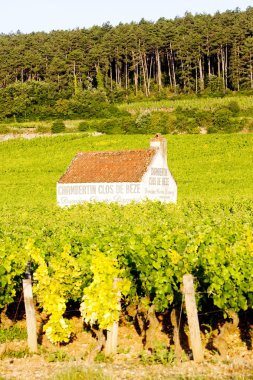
(158,183)
(122,192)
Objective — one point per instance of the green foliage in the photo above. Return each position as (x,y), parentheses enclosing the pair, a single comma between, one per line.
(55,286)
(12,333)
(120,125)
(57,356)
(143,122)
(184,125)
(43,129)
(16,354)
(118,62)
(234,107)
(81,374)
(58,126)
(153,254)
(215,86)
(250,126)
(224,123)
(83,126)
(101,301)
(102,358)
(152,245)
(11,269)
(4,129)
(25,100)
(204,119)
(159,355)
(99,80)
(92,105)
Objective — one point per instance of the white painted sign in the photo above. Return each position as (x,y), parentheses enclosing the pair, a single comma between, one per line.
(157,185)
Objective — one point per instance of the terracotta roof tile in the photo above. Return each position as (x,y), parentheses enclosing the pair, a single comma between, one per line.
(118,166)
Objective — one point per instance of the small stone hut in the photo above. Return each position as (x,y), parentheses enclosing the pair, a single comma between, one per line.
(119,176)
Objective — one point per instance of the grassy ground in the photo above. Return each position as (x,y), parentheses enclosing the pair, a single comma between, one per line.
(205,167)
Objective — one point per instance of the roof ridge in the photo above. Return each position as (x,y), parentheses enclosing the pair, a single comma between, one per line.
(116,151)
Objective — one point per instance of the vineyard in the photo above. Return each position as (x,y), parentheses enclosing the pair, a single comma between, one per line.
(188,102)
(76,253)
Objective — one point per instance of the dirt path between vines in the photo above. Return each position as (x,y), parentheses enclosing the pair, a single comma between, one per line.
(128,364)
(37,367)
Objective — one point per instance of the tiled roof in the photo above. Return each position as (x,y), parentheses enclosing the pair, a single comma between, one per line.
(118,166)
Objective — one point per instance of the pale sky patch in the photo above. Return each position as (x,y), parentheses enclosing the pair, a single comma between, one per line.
(36,15)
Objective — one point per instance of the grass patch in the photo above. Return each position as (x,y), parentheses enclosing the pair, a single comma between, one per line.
(58,356)
(16,354)
(12,333)
(80,374)
(159,355)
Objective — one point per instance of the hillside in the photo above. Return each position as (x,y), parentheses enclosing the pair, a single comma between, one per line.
(59,74)
(207,168)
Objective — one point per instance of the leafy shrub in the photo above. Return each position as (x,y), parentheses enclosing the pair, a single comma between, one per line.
(215,86)
(93,105)
(213,129)
(159,122)
(4,129)
(204,119)
(58,126)
(233,107)
(187,112)
(127,124)
(170,125)
(116,125)
(118,95)
(185,125)
(221,120)
(249,126)
(143,122)
(111,126)
(192,127)
(83,126)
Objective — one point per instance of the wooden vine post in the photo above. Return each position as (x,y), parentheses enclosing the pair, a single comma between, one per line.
(192,316)
(112,334)
(30,313)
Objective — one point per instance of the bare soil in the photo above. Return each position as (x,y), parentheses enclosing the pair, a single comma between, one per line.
(26,135)
(127,363)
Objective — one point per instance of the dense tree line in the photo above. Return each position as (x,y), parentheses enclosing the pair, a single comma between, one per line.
(200,54)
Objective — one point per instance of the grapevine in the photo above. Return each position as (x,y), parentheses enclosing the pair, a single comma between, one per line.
(101,298)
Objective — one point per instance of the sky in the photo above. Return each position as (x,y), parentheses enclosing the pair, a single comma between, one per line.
(45,15)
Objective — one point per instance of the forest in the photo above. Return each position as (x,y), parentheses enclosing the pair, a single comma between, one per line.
(64,72)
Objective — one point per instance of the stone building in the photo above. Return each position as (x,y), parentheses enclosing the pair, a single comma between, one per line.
(119,176)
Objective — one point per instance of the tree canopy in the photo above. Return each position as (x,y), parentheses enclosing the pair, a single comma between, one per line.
(191,54)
